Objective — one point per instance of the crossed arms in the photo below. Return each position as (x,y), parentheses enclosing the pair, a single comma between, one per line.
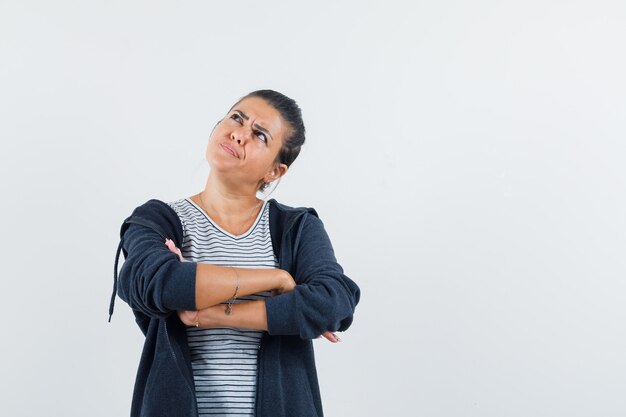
(154,281)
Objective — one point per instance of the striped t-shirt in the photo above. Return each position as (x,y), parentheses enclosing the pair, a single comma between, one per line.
(224,361)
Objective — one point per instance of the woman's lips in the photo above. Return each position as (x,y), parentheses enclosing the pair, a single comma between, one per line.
(230,150)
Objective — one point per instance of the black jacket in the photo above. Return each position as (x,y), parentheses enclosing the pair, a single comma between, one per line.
(156,284)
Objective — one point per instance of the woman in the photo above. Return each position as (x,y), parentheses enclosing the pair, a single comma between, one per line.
(230,289)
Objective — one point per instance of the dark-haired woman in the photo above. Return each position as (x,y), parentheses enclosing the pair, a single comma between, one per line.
(230,310)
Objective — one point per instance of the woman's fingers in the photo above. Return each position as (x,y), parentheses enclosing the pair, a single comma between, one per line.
(331,337)
(172,247)
(188,317)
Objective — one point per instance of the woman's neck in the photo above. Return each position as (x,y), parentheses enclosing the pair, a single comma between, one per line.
(226,202)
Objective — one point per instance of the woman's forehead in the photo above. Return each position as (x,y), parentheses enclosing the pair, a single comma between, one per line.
(258,106)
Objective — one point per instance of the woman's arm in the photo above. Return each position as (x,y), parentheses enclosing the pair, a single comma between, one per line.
(246,315)
(324,298)
(323,301)
(154,282)
(216,284)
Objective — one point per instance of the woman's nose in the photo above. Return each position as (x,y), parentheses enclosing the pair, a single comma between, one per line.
(241,134)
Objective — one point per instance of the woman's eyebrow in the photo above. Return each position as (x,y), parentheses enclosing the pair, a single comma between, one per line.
(261,128)
(242,114)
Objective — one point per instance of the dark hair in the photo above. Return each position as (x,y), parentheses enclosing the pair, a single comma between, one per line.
(291,113)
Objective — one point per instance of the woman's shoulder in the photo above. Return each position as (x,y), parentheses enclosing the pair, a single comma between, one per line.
(152,207)
(157,215)
(287,209)
(159,210)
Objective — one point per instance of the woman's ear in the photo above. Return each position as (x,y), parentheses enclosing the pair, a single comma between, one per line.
(277,171)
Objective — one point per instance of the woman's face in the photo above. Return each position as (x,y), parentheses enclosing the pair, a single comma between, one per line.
(246,142)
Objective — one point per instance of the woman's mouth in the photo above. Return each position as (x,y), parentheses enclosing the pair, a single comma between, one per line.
(230,150)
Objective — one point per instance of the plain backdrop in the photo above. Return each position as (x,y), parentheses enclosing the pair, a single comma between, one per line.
(467,159)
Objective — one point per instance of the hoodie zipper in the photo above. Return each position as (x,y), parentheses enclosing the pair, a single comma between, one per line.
(259,379)
(193,392)
(168,341)
(260,370)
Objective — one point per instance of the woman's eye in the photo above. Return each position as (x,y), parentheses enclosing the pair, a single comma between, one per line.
(261,136)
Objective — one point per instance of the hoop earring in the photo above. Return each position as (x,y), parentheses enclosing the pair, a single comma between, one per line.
(273,189)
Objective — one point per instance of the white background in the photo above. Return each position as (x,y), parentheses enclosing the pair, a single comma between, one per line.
(467,159)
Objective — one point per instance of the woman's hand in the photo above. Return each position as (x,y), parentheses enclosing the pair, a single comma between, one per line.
(206,318)
(189,317)
(331,337)
(172,247)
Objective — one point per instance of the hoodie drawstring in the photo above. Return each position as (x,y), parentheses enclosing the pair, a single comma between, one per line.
(117,257)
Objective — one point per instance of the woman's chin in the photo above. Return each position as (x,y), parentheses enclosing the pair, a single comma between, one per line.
(222,163)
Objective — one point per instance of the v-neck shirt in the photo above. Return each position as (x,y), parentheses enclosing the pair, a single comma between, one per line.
(224,360)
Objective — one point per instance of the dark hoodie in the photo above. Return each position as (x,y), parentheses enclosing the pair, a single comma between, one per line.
(156,284)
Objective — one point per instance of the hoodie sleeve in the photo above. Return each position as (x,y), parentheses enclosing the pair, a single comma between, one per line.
(324,298)
(152,279)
